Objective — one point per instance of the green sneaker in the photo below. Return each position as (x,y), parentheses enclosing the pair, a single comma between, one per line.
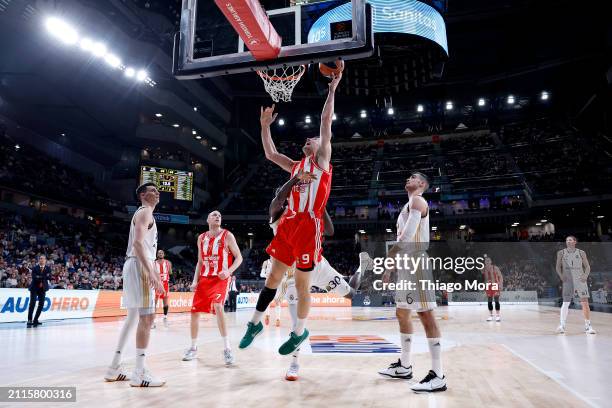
(293,343)
(252,331)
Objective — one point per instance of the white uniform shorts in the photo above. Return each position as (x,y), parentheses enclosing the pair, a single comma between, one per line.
(420,299)
(137,290)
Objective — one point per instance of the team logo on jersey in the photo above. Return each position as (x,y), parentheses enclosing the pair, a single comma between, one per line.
(366,301)
(300,187)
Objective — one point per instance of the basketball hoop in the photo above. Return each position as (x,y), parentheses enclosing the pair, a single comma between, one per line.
(279,82)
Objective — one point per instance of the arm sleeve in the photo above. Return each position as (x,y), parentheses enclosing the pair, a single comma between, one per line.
(410,228)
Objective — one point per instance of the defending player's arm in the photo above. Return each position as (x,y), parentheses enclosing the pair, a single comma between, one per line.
(585,265)
(233,247)
(328,225)
(279,200)
(142,220)
(558,266)
(500,278)
(266,119)
(327,117)
(417,209)
(198,268)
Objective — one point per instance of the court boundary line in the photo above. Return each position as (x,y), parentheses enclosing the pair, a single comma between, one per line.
(566,387)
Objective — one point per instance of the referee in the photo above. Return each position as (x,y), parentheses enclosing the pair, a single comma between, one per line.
(41,273)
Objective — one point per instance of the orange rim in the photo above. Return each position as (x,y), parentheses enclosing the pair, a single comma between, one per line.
(287,78)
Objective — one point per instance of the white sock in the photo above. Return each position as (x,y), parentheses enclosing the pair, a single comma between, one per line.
(299,327)
(226,342)
(435,349)
(587,322)
(293,313)
(406,346)
(194,343)
(140,357)
(278,311)
(128,325)
(564,312)
(256,317)
(294,356)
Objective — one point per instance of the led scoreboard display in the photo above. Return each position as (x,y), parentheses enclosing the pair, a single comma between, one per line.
(177,182)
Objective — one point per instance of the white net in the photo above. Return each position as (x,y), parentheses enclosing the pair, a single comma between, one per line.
(279,82)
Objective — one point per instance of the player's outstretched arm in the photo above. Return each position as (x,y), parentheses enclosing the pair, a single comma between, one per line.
(278,201)
(266,119)
(327,117)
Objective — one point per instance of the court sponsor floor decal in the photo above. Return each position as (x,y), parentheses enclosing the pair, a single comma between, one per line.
(352,344)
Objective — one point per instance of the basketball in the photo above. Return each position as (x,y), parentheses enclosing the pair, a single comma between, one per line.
(327,68)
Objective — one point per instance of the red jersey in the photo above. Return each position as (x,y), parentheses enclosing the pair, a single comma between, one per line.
(310,198)
(163,268)
(216,256)
(492,274)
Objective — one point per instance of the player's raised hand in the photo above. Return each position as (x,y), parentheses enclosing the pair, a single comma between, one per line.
(267,116)
(306,177)
(335,80)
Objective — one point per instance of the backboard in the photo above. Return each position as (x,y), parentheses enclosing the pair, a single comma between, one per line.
(207,44)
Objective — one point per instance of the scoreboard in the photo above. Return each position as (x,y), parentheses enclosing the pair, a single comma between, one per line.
(177,182)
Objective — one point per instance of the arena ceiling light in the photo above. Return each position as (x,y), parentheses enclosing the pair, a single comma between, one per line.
(194,132)
(389,230)
(449,105)
(281,122)
(544,96)
(462,227)
(175,125)
(390,111)
(198,137)
(510,100)
(420,108)
(17,147)
(362,231)
(434,228)
(538,224)
(158,115)
(195,108)
(307,119)
(363,114)
(141,75)
(214,147)
(543,220)
(62,30)
(112,60)
(250,234)
(86,44)
(130,72)
(481,102)
(600,217)
(334,117)
(98,49)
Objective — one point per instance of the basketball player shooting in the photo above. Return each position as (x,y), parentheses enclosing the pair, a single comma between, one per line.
(573,269)
(299,235)
(140,281)
(218,258)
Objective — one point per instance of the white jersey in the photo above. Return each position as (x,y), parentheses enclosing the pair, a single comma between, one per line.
(422,232)
(150,240)
(572,262)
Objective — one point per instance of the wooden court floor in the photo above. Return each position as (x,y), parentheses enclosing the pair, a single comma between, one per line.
(519,362)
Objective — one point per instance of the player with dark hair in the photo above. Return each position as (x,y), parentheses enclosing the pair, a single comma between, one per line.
(140,282)
(492,276)
(573,269)
(164,268)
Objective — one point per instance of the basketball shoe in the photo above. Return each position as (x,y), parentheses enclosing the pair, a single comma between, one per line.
(190,354)
(397,370)
(252,331)
(144,378)
(228,357)
(292,372)
(293,343)
(431,383)
(498,318)
(490,318)
(116,374)
(588,329)
(560,329)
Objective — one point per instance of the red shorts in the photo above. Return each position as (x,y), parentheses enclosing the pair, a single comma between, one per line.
(209,291)
(298,239)
(163,295)
(492,293)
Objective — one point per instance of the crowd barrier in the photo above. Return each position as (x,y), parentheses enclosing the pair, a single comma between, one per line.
(74,304)
(510,297)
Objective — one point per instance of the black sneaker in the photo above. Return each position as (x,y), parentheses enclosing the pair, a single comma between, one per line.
(30,324)
(36,324)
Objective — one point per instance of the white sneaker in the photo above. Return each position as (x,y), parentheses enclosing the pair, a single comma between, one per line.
(560,329)
(490,319)
(431,383)
(116,374)
(498,318)
(292,372)
(143,378)
(190,354)
(228,357)
(397,370)
(165,321)
(589,330)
